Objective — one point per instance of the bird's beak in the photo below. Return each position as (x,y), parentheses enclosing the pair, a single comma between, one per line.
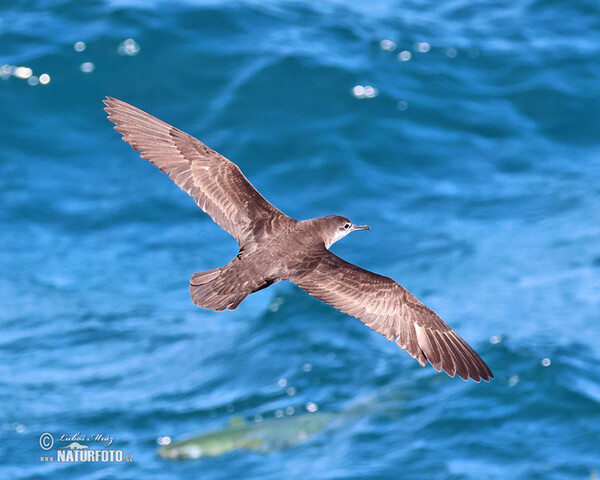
(360,227)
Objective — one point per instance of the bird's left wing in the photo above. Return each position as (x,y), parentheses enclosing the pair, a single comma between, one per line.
(217,184)
(388,308)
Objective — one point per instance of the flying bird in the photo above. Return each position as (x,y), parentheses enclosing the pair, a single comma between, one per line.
(274,247)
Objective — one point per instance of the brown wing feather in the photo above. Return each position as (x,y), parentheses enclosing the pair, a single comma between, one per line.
(217,185)
(388,308)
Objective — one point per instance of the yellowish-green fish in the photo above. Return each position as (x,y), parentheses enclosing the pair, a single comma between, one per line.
(277,434)
(260,437)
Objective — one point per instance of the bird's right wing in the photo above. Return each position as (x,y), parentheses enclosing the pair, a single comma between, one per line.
(388,308)
(218,185)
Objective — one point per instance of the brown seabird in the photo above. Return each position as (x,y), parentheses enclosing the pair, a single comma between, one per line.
(273,247)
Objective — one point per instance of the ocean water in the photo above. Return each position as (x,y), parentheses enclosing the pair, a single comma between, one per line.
(468,140)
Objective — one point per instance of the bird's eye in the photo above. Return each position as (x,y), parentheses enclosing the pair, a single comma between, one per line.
(347,226)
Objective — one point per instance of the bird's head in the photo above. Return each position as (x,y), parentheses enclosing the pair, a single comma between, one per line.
(337,227)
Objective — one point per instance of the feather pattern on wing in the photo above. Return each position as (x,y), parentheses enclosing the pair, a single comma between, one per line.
(217,185)
(388,308)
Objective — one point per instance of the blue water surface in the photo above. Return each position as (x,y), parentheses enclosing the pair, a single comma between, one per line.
(468,140)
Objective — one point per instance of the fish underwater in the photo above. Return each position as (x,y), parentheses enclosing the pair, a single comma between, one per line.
(260,437)
(276,434)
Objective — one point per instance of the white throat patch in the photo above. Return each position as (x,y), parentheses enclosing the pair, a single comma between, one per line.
(339,234)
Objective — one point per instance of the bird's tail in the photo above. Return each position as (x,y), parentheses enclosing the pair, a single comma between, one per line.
(220,288)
